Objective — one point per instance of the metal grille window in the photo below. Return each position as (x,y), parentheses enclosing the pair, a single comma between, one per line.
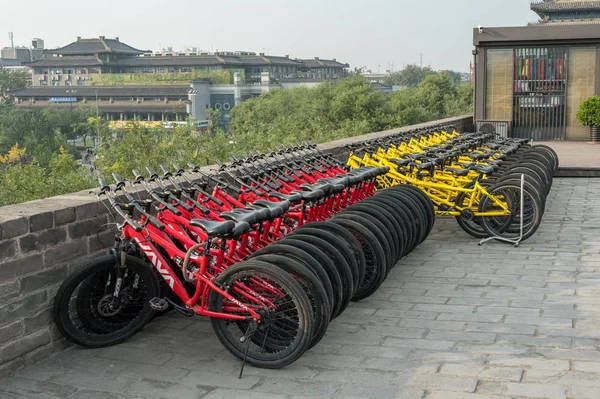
(539,93)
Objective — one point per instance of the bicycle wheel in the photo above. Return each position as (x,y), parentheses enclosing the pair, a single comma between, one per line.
(379,230)
(386,223)
(353,243)
(404,213)
(339,243)
(312,286)
(84,310)
(385,203)
(374,256)
(286,330)
(426,204)
(338,261)
(510,191)
(324,262)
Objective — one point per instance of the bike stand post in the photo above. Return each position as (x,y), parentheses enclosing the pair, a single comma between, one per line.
(518,240)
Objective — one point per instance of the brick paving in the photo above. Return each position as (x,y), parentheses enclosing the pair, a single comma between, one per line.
(453,320)
(575,154)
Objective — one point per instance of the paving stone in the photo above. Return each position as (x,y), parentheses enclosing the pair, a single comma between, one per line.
(530,363)
(526,390)
(168,390)
(446,382)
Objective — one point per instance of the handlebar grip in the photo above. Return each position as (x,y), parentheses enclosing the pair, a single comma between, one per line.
(219,162)
(137,174)
(164,168)
(154,222)
(150,170)
(103,185)
(120,182)
(178,168)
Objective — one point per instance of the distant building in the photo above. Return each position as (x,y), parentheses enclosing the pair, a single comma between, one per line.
(567,11)
(24,54)
(531,80)
(74,74)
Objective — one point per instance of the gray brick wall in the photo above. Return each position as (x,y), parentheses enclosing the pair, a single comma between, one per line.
(42,240)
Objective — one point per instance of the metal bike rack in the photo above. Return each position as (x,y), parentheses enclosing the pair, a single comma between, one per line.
(518,240)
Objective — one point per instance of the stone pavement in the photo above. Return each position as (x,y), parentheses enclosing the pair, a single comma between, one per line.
(453,320)
(575,154)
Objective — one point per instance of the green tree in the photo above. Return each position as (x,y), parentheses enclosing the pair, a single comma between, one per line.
(410,76)
(434,92)
(11,79)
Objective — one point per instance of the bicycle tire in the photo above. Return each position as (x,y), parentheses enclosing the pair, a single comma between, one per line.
(374,256)
(97,339)
(302,311)
(311,258)
(313,288)
(339,243)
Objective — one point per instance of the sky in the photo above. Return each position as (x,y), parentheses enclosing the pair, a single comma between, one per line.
(373,33)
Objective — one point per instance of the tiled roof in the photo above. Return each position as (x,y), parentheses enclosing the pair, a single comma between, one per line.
(96,46)
(76,61)
(320,63)
(550,6)
(169,61)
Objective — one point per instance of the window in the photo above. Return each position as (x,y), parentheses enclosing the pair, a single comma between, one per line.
(81,71)
(94,70)
(581,73)
(186,69)
(147,70)
(81,82)
(68,83)
(68,71)
(173,69)
(43,83)
(55,83)
(160,70)
(56,70)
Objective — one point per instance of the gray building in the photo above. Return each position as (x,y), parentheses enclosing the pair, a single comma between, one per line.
(24,54)
(165,86)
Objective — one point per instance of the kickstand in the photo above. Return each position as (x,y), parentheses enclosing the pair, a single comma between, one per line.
(245,352)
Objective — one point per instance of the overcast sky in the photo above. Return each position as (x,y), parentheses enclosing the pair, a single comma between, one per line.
(372,33)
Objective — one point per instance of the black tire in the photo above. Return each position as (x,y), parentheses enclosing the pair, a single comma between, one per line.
(374,257)
(353,243)
(313,288)
(292,318)
(383,204)
(388,223)
(339,243)
(97,325)
(378,230)
(331,271)
(312,258)
(339,262)
(407,220)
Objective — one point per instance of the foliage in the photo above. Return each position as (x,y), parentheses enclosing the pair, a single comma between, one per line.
(589,112)
(215,76)
(22,179)
(140,147)
(11,79)
(410,76)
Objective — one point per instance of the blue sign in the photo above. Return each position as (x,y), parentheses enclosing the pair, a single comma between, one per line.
(63,99)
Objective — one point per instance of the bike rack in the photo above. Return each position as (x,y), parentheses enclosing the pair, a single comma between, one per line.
(518,240)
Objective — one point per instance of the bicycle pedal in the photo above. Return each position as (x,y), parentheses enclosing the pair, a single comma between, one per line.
(159,304)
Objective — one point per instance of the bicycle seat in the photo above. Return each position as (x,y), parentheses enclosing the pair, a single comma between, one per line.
(250,216)
(400,162)
(276,209)
(336,185)
(309,196)
(424,165)
(239,229)
(293,198)
(213,228)
(458,172)
(482,169)
(326,188)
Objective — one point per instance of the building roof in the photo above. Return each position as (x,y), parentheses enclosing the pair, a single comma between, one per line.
(99,45)
(9,62)
(103,91)
(321,63)
(546,7)
(76,61)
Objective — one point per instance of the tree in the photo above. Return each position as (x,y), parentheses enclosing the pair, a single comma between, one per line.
(455,77)
(434,93)
(11,79)
(410,76)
